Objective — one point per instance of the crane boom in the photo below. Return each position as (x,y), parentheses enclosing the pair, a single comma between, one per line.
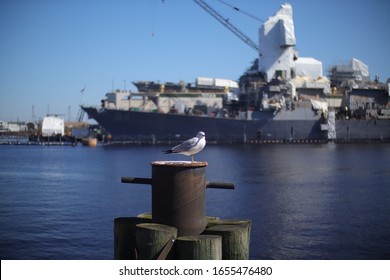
(228,25)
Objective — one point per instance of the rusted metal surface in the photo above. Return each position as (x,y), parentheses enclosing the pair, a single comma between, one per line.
(178,194)
(180,163)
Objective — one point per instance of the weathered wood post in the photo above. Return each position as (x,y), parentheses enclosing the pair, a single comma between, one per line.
(154,241)
(198,247)
(235,237)
(124,237)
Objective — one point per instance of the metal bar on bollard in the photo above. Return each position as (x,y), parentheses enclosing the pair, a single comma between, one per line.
(136,180)
(148,181)
(219,185)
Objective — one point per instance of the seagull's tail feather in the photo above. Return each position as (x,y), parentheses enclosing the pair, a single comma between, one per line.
(170,151)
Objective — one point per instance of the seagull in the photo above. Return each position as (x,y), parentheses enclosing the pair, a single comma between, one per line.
(190,147)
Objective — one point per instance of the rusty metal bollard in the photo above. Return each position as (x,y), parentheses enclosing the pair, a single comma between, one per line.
(178,194)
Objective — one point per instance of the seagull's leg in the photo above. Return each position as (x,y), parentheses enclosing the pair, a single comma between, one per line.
(192,158)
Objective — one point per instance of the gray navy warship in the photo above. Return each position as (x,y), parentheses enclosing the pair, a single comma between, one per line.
(282,97)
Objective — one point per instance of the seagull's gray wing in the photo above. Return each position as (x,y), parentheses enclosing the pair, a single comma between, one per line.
(185,146)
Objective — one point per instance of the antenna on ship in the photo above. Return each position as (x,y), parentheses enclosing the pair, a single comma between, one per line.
(80,114)
(33,116)
(69,113)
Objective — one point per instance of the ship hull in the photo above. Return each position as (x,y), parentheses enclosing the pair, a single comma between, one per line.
(366,130)
(150,126)
(135,125)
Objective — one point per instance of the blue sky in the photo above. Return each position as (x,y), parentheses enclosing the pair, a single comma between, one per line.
(51,49)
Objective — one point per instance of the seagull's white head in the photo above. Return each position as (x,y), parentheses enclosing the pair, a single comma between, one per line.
(201,134)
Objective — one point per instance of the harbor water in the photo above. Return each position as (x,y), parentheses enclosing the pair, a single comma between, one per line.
(306,201)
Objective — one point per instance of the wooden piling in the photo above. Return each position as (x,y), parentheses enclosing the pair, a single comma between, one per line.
(215,221)
(124,237)
(198,247)
(246,223)
(235,239)
(147,215)
(151,239)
